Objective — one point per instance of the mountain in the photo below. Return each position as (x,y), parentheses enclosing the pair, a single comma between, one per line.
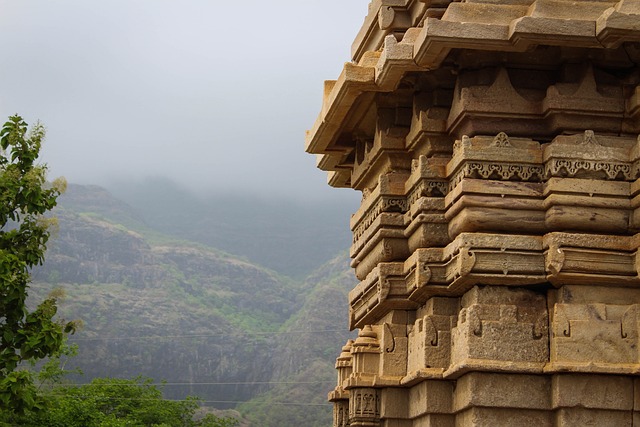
(306,352)
(207,322)
(292,237)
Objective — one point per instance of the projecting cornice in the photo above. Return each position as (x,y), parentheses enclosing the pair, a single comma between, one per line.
(390,17)
(400,37)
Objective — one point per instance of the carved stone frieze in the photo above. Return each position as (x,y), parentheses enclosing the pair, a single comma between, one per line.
(378,226)
(425,224)
(497,150)
(383,205)
(503,172)
(589,156)
(576,168)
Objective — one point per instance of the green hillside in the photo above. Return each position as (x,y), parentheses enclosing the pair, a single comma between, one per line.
(207,322)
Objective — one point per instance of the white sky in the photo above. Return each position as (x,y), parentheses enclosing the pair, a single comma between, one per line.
(210,93)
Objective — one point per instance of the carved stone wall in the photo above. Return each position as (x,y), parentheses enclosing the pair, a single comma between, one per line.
(497,149)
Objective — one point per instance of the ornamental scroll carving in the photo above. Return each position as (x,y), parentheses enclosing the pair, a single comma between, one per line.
(574,168)
(498,171)
(428,188)
(501,140)
(389,339)
(430,331)
(598,157)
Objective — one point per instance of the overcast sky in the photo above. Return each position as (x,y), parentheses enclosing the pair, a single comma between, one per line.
(213,93)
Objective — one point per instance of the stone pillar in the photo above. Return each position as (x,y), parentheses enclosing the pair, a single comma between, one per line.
(496,146)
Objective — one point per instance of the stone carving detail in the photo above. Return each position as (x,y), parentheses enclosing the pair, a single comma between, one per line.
(341,414)
(430,331)
(390,342)
(471,316)
(501,140)
(572,168)
(428,188)
(460,144)
(364,405)
(589,138)
(478,170)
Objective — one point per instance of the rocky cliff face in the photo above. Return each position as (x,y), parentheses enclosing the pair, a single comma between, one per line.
(208,323)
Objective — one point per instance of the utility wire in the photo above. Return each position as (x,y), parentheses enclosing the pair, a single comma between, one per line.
(234,335)
(117,384)
(141,399)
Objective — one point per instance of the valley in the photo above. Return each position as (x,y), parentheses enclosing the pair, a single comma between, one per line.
(167,304)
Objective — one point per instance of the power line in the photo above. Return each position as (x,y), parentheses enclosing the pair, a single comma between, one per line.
(233,335)
(142,399)
(116,384)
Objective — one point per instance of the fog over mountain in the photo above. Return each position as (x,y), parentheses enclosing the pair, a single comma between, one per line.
(210,94)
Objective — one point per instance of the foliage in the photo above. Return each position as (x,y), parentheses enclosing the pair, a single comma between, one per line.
(107,402)
(53,371)
(24,197)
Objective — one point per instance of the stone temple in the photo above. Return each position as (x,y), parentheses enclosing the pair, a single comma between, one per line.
(496,147)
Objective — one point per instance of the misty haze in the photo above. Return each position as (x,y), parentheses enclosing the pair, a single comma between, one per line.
(197,242)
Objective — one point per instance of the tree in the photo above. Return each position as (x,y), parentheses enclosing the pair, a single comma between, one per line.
(110,402)
(25,197)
